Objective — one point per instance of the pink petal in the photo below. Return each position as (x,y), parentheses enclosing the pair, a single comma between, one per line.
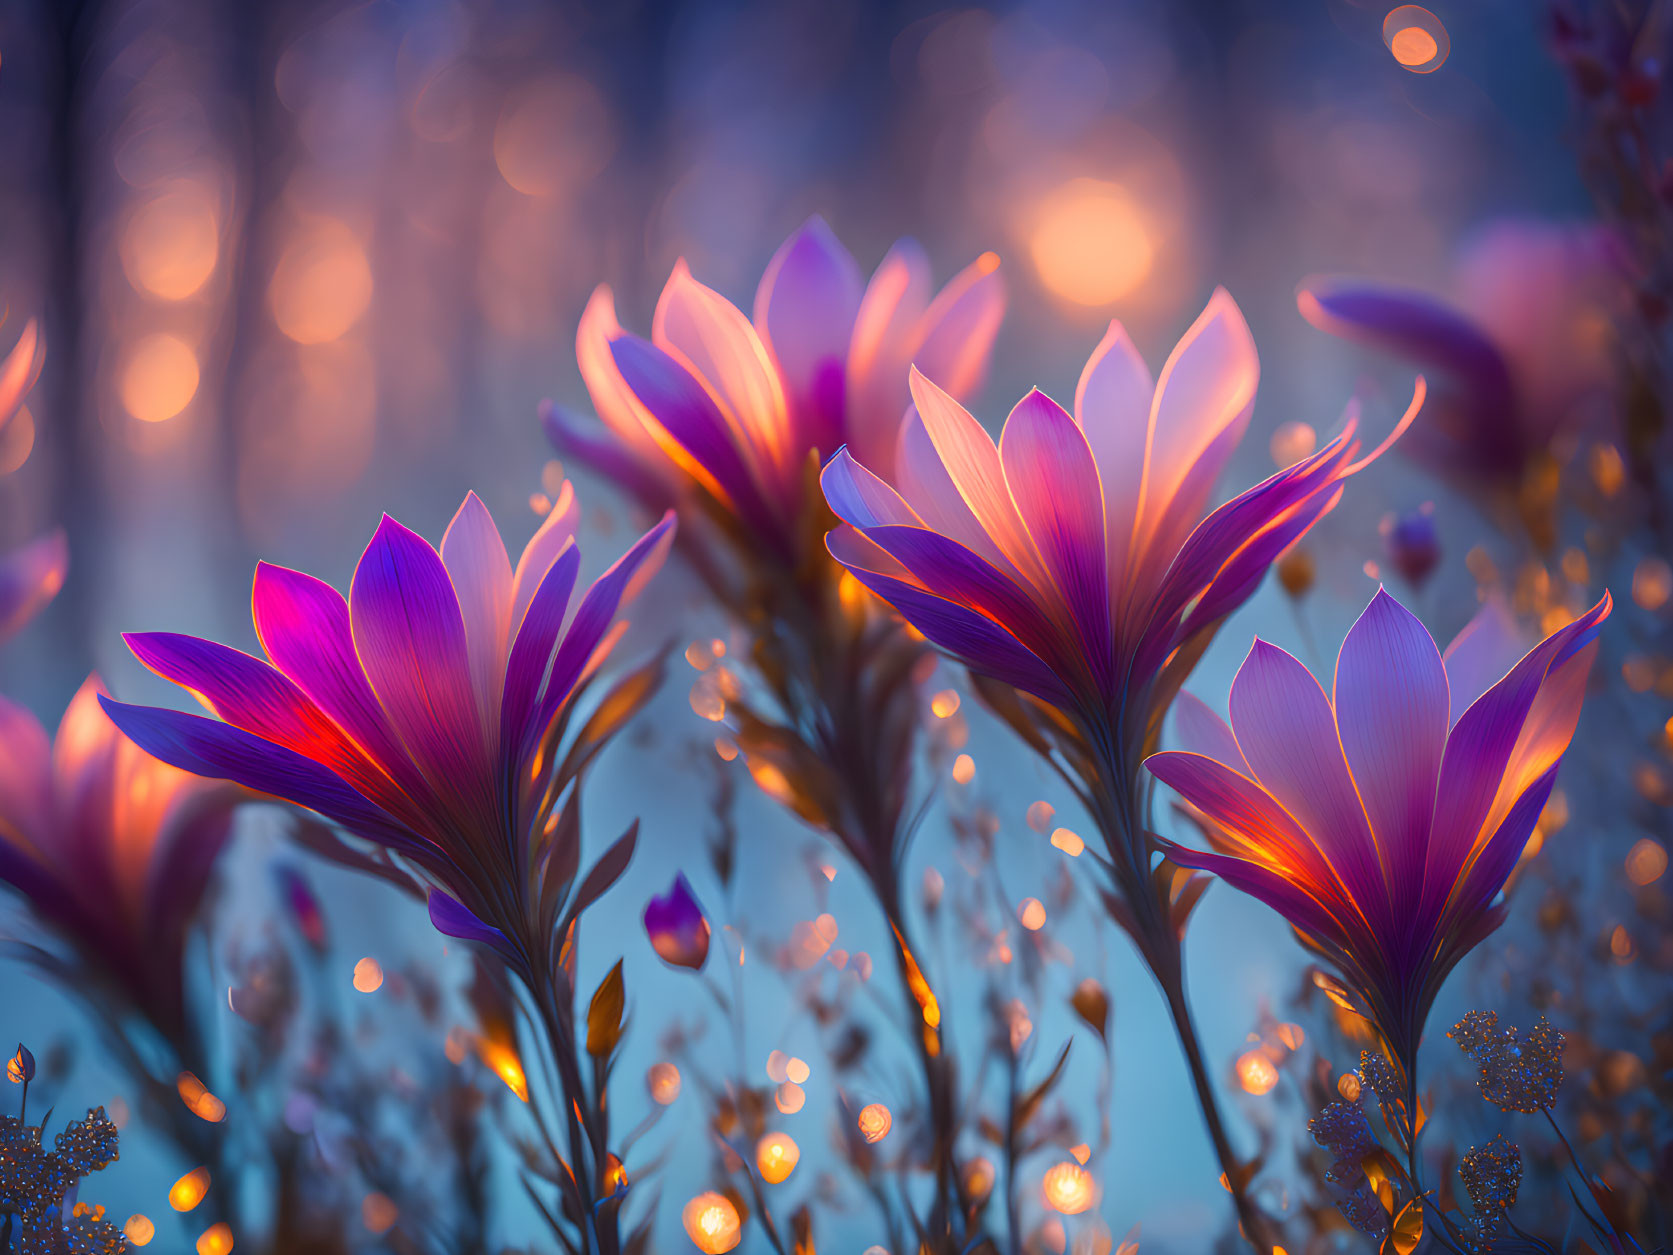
(615,402)
(711,337)
(1205,391)
(477,565)
(929,490)
(972,464)
(1054,483)
(1112,406)
(804,311)
(1489,645)
(554,535)
(957,330)
(880,352)
(1287,731)
(25,778)
(1391,714)
(1198,730)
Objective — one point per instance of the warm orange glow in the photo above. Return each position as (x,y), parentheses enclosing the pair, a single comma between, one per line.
(1608,468)
(1067,1187)
(1348,1086)
(1291,442)
(188,1191)
(368,975)
(378,1213)
(198,1100)
(797,1071)
(172,242)
(215,1240)
(776,1157)
(1082,1153)
(789,1098)
(1040,815)
(964,769)
(875,1122)
(1417,38)
(139,1230)
(712,1224)
(1652,583)
(160,378)
(17,440)
(1620,944)
(321,286)
(1256,1073)
(663,1083)
(553,135)
(1646,862)
(1070,843)
(978,1177)
(1089,244)
(502,1060)
(944,704)
(1031,913)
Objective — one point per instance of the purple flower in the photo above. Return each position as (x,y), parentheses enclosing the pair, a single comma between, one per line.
(420,712)
(1521,354)
(111,848)
(733,409)
(1382,819)
(675,924)
(1413,547)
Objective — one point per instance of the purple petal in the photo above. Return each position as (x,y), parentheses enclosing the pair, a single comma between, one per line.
(1287,732)
(1054,482)
(1200,731)
(454,919)
(532,651)
(1482,654)
(857,496)
(688,414)
(1391,713)
(604,453)
(410,637)
(805,310)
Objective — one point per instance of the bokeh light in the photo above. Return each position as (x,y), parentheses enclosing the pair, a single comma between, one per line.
(1417,38)
(1090,244)
(159,378)
(172,243)
(712,1223)
(322,284)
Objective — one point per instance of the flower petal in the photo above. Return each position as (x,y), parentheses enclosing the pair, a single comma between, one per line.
(480,571)
(555,533)
(929,490)
(1285,727)
(857,496)
(1198,730)
(880,353)
(25,778)
(19,370)
(1482,654)
(410,638)
(1391,714)
(804,311)
(531,654)
(1054,483)
(30,576)
(1112,406)
(452,918)
(957,331)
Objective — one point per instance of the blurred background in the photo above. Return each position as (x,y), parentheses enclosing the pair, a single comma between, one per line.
(298,263)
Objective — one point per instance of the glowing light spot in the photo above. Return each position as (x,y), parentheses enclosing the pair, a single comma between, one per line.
(797,1071)
(662,1082)
(552,135)
(1040,815)
(945,704)
(1292,442)
(1082,1153)
(1348,1086)
(1068,1188)
(1646,862)
(378,1212)
(139,1230)
(1417,38)
(699,656)
(778,1064)
(502,1060)
(1090,244)
(776,1157)
(321,286)
(215,1240)
(368,975)
(20,1067)
(978,1177)
(964,769)
(160,378)
(172,242)
(198,1100)
(1068,842)
(1652,583)
(1292,1035)
(188,1191)
(1031,914)
(1256,1073)
(727,748)
(1608,468)
(711,1222)
(875,1122)
(789,1098)
(706,702)
(1620,944)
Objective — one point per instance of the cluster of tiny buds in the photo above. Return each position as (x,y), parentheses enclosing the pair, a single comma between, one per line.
(35,1185)
(1341,1129)
(1378,1075)
(1517,1074)
(1491,1175)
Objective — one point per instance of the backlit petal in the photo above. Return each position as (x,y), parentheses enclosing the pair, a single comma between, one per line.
(1112,406)
(480,571)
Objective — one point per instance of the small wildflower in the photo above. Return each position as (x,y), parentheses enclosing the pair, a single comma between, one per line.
(1516,1074)
(36,1185)
(1491,1175)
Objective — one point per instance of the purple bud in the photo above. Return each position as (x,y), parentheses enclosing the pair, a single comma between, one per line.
(679,934)
(1414,550)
